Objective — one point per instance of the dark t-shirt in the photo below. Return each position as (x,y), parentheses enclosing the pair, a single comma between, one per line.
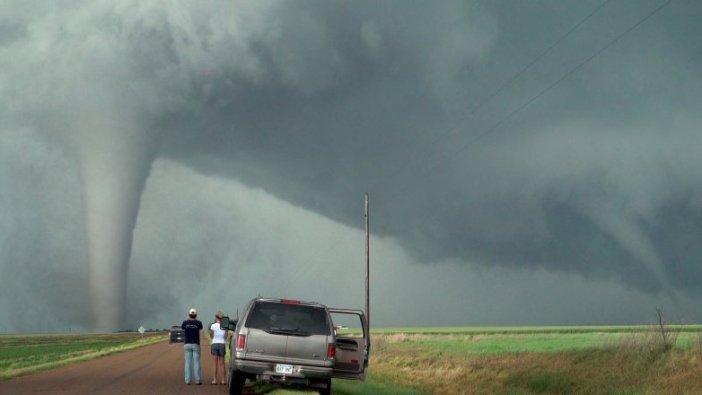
(192,331)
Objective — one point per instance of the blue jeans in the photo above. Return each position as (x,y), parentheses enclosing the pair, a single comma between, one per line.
(192,358)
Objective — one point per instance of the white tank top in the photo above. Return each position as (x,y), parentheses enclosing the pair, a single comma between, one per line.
(217,333)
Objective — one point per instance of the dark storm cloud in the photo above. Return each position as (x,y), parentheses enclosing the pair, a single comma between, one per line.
(583,165)
(578,181)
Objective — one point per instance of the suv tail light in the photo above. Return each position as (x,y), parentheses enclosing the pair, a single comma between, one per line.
(289,301)
(240,342)
(331,351)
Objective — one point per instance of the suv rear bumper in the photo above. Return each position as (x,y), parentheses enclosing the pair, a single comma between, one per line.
(267,369)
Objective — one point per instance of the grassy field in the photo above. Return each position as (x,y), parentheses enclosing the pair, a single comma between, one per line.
(23,354)
(558,360)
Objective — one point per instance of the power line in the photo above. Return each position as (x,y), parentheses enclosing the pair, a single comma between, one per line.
(507,83)
(539,57)
(441,160)
(510,81)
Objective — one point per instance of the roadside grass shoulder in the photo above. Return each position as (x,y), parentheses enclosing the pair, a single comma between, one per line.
(376,384)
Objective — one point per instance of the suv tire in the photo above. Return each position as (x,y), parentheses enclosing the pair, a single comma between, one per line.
(236,382)
(327,387)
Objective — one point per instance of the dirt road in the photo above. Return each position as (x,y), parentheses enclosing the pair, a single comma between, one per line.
(155,369)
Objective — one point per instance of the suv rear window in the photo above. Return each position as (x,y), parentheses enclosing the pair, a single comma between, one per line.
(288,319)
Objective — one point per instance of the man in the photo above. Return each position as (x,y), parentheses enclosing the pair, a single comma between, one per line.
(192,328)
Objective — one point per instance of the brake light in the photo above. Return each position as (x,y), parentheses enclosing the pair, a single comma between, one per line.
(289,301)
(240,342)
(331,350)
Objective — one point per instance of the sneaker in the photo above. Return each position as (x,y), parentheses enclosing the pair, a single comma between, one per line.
(198,383)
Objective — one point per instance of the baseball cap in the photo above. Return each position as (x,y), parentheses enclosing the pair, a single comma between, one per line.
(192,311)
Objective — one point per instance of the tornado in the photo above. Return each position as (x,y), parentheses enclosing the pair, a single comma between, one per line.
(106,80)
(115,162)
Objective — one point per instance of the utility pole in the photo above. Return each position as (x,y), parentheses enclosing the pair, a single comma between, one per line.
(367,216)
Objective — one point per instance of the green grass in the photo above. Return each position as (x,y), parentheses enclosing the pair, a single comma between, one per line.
(373,385)
(506,344)
(503,344)
(496,330)
(497,341)
(30,353)
(549,382)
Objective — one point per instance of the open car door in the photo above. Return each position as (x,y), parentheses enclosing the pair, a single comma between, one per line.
(352,343)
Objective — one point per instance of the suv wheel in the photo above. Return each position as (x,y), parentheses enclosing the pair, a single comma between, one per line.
(236,382)
(327,387)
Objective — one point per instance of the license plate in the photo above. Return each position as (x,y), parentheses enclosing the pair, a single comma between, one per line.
(283,369)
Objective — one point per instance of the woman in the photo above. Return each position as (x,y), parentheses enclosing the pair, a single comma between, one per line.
(218,336)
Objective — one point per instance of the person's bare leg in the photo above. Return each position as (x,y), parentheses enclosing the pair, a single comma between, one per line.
(224,371)
(214,370)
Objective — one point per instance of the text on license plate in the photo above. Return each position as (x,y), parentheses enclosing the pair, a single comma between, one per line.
(284,369)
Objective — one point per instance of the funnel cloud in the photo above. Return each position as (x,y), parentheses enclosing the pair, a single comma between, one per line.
(113,172)
(155,157)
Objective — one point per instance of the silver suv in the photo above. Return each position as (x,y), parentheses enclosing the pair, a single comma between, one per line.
(296,343)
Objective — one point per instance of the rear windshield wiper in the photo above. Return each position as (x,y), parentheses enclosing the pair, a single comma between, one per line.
(287,331)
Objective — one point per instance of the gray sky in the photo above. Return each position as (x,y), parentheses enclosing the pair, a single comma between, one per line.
(528,162)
